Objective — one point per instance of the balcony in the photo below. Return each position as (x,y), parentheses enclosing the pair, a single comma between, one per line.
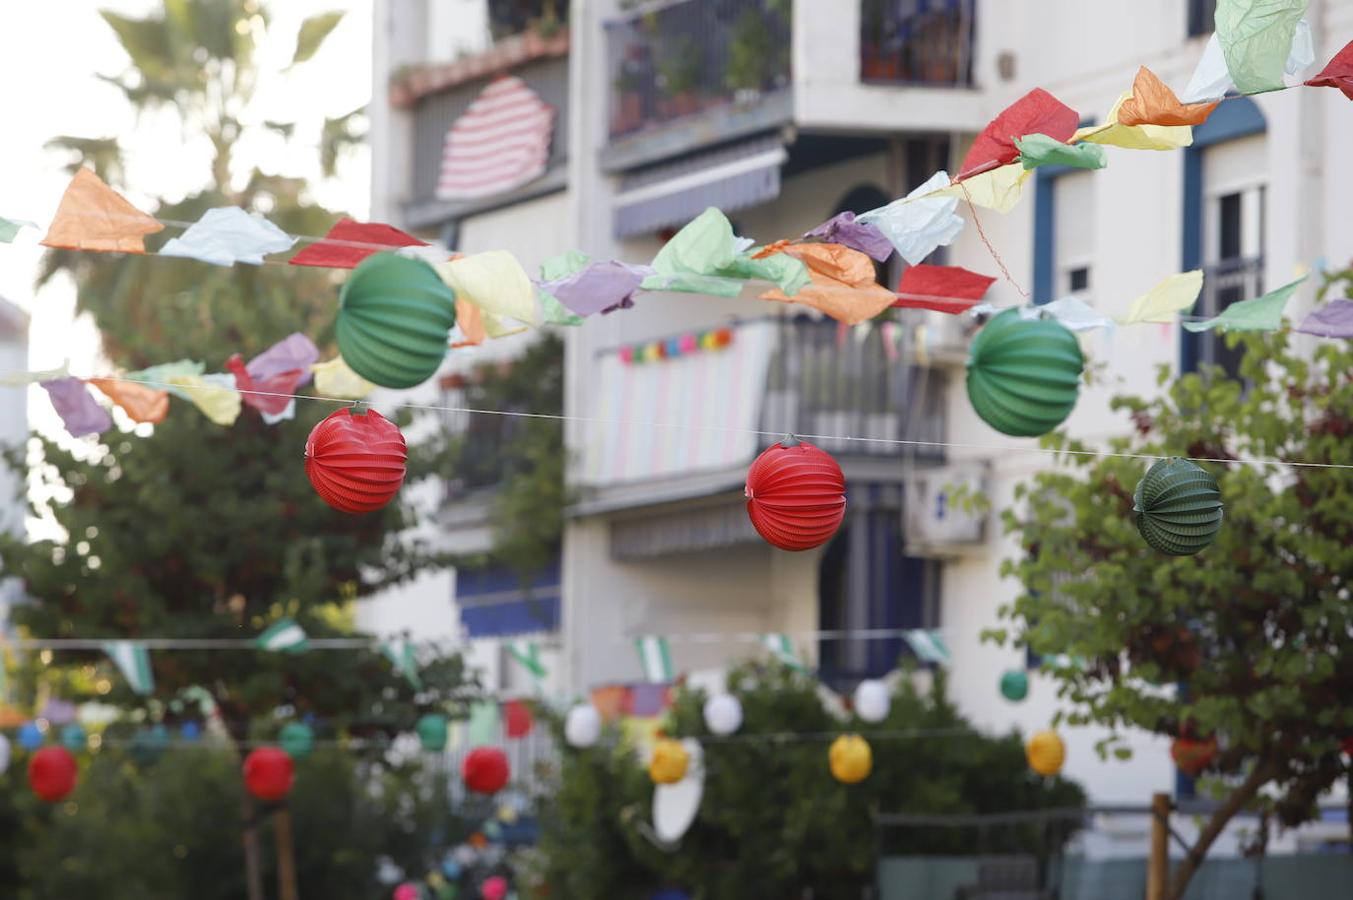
(1225,282)
(918,43)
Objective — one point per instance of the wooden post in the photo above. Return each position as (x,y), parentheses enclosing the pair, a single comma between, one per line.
(253,870)
(286,855)
(1158,866)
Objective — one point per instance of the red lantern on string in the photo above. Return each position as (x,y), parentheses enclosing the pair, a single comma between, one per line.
(52,773)
(517,719)
(355,459)
(796,495)
(268,773)
(1192,756)
(485,770)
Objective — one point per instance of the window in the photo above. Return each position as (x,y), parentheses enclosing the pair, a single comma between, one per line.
(1074,241)
(1202,13)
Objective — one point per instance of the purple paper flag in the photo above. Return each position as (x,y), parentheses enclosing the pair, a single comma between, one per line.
(77,407)
(600,288)
(649,700)
(287,355)
(843,229)
(1335,319)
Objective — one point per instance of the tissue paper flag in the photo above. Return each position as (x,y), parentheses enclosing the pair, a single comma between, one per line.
(79,411)
(942,283)
(1037,112)
(229,235)
(842,283)
(1040,150)
(1338,73)
(1175,294)
(1256,38)
(140,403)
(921,221)
(1135,137)
(93,216)
(341,247)
(1260,314)
(1334,320)
(845,229)
(1153,103)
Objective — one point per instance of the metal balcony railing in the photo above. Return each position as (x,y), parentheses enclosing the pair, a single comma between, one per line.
(827,380)
(509,17)
(1225,282)
(675,59)
(917,42)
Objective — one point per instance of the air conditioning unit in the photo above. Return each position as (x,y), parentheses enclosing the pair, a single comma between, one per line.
(937,521)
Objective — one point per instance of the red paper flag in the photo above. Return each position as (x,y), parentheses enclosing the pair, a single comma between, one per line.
(952,289)
(517,719)
(1037,112)
(271,397)
(334,255)
(1339,72)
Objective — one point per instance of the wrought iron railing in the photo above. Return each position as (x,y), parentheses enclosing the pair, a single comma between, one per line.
(917,42)
(1225,282)
(672,60)
(829,380)
(509,17)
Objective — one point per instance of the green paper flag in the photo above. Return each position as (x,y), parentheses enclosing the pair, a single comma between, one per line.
(1040,150)
(654,658)
(482,728)
(790,275)
(928,646)
(564,265)
(133,661)
(527,653)
(704,258)
(283,636)
(1260,314)
(782,649)
(552,312)
(9,228)
(1256,39)
(401,655)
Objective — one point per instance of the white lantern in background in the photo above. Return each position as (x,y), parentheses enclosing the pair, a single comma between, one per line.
(582,727)
(723,714)
(872,700)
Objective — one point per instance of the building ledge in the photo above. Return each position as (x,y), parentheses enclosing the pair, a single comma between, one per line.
(409,86)
(432,213)
(709,128)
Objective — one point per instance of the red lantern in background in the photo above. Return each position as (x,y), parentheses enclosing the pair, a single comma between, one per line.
(796,495)
(52,773)
(268,773)
(1348,746)
(517,719)
(485,770)
(1193,756)
(355,460)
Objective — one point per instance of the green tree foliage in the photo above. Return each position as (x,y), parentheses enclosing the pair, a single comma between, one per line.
(1257,629)
(773,821)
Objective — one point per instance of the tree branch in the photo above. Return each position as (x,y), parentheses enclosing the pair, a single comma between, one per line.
(1242,795)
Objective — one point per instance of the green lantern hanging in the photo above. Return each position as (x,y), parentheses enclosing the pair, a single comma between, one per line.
(1015,685)
(394,317)
(1178,507)
(432,732)
(149,744)
(1024,374)
(297,739)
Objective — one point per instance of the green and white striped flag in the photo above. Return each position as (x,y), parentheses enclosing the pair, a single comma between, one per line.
(1062,661)
(928,646)
(654,658)
(133,661)
(283,636)
(401,655)
(782,649)
(527,653)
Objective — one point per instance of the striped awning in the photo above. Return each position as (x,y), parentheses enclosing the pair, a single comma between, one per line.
(671,194)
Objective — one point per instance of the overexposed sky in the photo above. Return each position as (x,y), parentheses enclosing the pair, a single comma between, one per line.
(51,53)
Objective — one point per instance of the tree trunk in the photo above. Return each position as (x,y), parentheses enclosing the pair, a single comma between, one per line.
(253,868)
(286,855)
(1234,804)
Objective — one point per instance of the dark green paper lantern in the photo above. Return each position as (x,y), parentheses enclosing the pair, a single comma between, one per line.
(1178,507)
(1015,685)
(149,744)
(1024,374)
(432,732)
(394,317)
(297,739)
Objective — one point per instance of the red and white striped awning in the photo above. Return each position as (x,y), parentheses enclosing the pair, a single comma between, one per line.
(501,142)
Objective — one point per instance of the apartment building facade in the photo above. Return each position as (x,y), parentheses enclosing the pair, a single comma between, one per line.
(783,113)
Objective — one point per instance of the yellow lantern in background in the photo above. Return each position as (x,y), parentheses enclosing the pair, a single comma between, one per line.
(851,759)
(1046,753)
(669,762)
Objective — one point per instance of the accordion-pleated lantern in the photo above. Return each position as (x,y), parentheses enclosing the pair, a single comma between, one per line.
(356,460)
(394,318)
(796,496)
(1024,374)
(1178,507)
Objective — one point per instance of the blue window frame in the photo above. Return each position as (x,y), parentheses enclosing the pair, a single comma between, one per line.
(1045,228)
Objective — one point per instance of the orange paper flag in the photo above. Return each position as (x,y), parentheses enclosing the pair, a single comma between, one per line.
(93,216)
(471,324)
(140,403)
(842,286)
(1153,103)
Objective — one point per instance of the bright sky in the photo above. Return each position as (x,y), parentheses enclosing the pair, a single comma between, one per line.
(50,56)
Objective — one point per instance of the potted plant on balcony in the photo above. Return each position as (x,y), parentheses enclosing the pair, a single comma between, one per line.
(755,58)
(680,65)
(628,112)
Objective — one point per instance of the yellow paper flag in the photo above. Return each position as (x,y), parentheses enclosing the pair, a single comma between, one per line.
(215,395)
(495,282)
(1135,137)
(997,189)
(1173,295)
(93,216)
(334,378)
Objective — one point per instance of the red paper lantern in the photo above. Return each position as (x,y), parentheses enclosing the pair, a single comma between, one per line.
(1193,756)
(485,770)
(517,719)
(796,495)
(268,773)
(52,773)
(355,460)
(1348,746)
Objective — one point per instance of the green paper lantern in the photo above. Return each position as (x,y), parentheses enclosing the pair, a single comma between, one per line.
(297,739)
(74,738)
(149,744)
(1178,507)
(394,317)
(432,732)
(1024,374)
(1015,685)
